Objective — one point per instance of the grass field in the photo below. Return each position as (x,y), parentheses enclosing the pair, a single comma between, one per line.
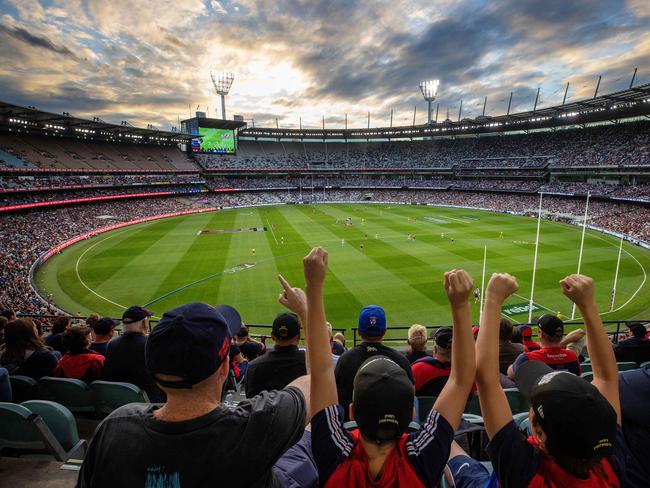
(157,262)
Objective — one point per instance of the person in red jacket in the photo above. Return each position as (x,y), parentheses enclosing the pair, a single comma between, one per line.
(79,362)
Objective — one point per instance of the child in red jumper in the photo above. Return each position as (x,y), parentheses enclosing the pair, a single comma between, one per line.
(79,362)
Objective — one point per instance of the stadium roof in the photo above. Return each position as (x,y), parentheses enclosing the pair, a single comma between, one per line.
(38,121)
(634,102)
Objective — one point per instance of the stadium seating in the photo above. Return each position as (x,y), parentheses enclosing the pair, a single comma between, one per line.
(40,426)
(627,365)
(22,388)
(73,394)
(588,375)
(586,367)
(423,406)
(108,396)
(516,400)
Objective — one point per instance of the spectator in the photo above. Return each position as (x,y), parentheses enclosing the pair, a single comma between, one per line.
(636,348)
(192,440)
(576,437)
(55,338)
(517,338)
(92,320)
(634,388)
(417,341)
(431,373)
(103,330)
(280,366)
(372,327)
(249,348)
(508,351)
(125,354)
(527,336)
(340,338)
(551,331)
(380,452)
(3,324)
(576,341)
(9,314)
(79,362)
(25,354)
(334,345)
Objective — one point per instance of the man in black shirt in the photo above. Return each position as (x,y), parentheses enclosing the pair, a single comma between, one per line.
(280,366)
(249,348)
(125,354)
(194,439)
(372,327)
(636,348)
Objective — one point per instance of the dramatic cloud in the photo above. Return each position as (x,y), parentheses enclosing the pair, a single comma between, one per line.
(294,59)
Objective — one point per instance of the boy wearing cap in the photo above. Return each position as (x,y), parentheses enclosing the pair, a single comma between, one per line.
(372,327)
(281,365)
(193,439)
(551,332)
(527,335)
(576,437)
(380,453)
(431,373)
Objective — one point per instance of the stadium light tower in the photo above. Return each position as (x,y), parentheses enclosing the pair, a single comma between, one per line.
(429,91)
(222,82)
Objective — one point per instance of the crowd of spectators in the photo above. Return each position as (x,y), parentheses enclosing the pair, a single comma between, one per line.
(56,181)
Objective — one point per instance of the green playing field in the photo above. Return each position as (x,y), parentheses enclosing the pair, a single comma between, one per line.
(168,262)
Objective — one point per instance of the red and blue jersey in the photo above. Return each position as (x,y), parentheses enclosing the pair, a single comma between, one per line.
(555,357)
(417,460)
(430,375)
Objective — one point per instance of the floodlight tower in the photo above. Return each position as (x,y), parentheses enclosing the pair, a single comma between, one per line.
(429,91)
(222,81)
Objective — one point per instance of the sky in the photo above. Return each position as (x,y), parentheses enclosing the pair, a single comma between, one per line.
(149,62)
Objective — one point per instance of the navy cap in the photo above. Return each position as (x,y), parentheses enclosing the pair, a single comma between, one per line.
(135,314)
(286,326)
(443,337)
(372,321)
(191,342)
(551,325)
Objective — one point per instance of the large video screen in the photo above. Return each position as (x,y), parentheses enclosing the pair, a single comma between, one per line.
(215,141)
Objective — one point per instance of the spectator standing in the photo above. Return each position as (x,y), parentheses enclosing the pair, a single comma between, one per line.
(103,330)
(417,341)
(79,362)
(508,351)
(125,354)
(371,328)
(431,373)
(380,453)
(551,331)
(25,354)
(284,363)
(636,348)
(193,439)
(249,348)
(55,338)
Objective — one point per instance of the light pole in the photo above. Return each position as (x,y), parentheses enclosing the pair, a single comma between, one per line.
(222,81)
(429,91)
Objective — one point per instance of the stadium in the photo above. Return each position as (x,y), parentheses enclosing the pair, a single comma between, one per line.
(176,253)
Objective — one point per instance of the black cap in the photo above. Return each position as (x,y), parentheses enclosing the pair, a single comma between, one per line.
(575,416)
(552,326)
(191,342)
(443,336)
(135,314)
(286,326)
(382,399)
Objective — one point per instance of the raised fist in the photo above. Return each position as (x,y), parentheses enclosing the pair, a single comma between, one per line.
(579,288)
(458,286)
(315,266)
(501,286)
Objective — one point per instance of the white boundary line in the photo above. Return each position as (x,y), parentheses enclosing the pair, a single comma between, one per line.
(272,232)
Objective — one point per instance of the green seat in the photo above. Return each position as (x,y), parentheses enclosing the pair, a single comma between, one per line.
(473,419)
(627,365)
(109,396)
(473,406)
(71,393)
(518,418)
(22,388)
(24,430)
(645,365)
(516,400)
(585,367)
(589,375)
(424,406)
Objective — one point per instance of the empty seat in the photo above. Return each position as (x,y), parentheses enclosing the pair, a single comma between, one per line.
(424,406)
(74,394)
(516,400)
(627,365)
(473,406)
(109,395)
(587,375)
(22,388)
(585,367)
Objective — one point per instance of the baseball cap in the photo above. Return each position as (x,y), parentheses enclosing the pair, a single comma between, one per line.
(526,331)
(442,337)
(382,398)
(135,314)
(191,341)
(372,321)
(286,326)
(575,416)
(551,325)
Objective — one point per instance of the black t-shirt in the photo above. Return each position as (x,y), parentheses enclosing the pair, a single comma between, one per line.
(275,369)
(39,363)
(350,362)
(230,446)
(125,362)
(633,349)
(251,349)
(413,356)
